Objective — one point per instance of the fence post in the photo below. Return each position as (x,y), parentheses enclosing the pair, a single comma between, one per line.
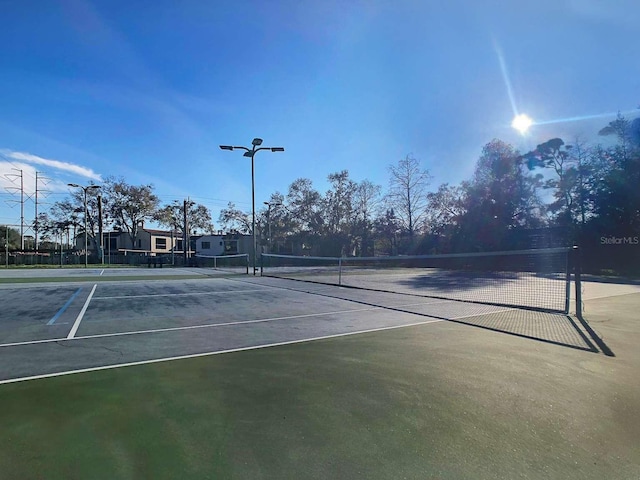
(567,295)
(340,272)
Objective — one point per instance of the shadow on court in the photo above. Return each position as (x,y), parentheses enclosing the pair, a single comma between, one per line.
(548,327)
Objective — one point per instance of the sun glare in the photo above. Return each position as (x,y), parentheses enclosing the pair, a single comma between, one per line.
(522,123)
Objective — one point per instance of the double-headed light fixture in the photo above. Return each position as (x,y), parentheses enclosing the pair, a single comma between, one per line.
(251,152)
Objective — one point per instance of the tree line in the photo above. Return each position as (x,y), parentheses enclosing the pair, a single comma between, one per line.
(557,194)
(121,206)
(579,192)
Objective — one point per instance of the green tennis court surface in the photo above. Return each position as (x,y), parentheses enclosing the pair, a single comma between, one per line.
(436,389)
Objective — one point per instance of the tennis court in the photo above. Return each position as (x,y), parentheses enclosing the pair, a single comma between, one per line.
(294,378)
(123,322)
(124,316)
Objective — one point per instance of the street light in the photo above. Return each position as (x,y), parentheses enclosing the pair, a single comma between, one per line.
(251,153)
(84,189)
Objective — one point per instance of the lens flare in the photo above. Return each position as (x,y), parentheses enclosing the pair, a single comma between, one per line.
(522,123)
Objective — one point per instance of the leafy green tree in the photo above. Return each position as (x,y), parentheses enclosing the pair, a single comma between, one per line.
(232,219)
(69,214)
(50,228)
(172,216)
(616,194)
(14,237)
(556,156)
(501,197)
(129,205)
(338,208)
(276,222)
(387,228)
(582,159)
(445,208)
(73,209)
(305,205)
(338,203)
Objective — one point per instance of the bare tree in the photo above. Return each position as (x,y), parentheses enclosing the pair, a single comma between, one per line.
(407,194)
(367,200)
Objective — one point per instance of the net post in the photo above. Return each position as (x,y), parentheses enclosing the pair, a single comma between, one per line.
(578,281)
(340,272)
(567,295)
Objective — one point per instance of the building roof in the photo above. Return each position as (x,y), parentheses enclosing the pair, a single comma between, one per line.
(160,232)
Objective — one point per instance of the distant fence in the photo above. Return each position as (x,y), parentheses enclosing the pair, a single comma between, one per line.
(134,259)
(75,258)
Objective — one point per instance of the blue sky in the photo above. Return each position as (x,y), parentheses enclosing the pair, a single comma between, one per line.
(149,89)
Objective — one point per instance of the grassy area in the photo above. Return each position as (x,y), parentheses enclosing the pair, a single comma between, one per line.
(394,404)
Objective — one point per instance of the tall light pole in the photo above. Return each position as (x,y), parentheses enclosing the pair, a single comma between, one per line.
(86,235)
(251,152)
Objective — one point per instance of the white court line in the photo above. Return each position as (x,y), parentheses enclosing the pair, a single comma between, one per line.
(102,272)
(243,322)
(189,327)
(179,294)
(74,329)
(584,299)
(219,352)
(188,272)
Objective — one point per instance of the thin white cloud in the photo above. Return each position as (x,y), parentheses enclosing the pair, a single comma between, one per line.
(56,164)
(10,178)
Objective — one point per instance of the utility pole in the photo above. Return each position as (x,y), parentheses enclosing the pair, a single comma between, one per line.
(100,242)
(12,177)
(21,211)
(6,246)
(35,219)
(86,233)
(185,232)
(173,261)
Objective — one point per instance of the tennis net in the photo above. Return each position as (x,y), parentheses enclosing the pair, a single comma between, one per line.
(228,263)
(534,279)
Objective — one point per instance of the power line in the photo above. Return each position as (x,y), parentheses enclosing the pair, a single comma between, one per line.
(12,177)
(15,166)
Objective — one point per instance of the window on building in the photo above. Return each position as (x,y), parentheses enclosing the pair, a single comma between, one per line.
(206,245)
(139,243)
(179,244)
(161,243)
(230,247)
